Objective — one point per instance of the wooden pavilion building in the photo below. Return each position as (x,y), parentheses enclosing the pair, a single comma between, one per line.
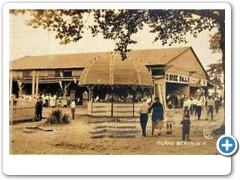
(172,71)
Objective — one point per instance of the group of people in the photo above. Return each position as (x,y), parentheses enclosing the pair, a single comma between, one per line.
(194,106)
(39,108)
(157,116)
(175,100)
(156,108)
(54,101)
(120,97)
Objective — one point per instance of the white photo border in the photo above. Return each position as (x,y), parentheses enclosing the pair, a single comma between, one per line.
(105,164)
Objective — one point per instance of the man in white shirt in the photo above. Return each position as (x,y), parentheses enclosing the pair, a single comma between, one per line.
(194,104)
(143,111)
(199,108)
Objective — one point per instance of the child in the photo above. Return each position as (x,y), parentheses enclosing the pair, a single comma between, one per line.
(186,127)
(169,120)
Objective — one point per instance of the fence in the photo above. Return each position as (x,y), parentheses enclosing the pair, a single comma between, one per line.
(118,109)
(20,110)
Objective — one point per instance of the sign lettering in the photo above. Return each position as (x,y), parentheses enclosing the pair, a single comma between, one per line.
(174,78)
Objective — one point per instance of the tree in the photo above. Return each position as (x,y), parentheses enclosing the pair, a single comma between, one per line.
(170,26)
(215,73)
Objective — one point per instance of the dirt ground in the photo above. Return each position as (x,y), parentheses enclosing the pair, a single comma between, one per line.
(113,136)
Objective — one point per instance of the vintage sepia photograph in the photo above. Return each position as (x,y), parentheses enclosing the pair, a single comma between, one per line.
(116,81)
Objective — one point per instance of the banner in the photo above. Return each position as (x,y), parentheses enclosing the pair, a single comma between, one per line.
(198,82)
(195,81)
(175,78)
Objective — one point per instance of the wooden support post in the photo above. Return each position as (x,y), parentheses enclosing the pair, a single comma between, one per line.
(11,99)
(91,107)
(66,86)
(64,89)
(20,87)
(37,82)
(134,97)
(11,116)
(10,88)
(133,108)
(112,103)
(92,94)
(90,97)
(33,84)
(60,84)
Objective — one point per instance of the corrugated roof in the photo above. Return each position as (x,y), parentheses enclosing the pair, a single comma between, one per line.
(146,56)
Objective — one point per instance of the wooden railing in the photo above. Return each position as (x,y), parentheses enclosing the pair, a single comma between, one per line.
(119,109)
(20,110)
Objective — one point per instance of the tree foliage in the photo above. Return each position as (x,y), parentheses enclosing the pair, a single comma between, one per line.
(215,74)
(170,26)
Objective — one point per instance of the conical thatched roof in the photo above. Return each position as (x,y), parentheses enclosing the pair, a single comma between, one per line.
(110,69)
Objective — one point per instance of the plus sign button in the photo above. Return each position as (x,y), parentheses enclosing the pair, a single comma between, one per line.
(227,145)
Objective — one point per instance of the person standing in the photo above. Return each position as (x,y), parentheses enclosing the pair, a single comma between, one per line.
(73,106)
(169,120)
(210,105)
(181,101)
(191,105)
(157,116)
(194,105)
(52,102)
(186,127)
(143,111)
(186,106)
(203,99)
(176,101)
(39,108)
(217,104)
(199,108)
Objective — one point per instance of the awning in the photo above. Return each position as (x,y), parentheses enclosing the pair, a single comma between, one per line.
(115,71)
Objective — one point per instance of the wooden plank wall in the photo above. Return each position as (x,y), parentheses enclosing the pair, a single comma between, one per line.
(22,111)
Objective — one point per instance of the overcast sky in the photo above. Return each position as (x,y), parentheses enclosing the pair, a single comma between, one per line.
(26,41)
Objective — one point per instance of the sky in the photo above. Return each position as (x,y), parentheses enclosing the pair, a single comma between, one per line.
(27,41)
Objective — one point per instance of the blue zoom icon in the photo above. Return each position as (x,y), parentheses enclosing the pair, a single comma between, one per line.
(227,145)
